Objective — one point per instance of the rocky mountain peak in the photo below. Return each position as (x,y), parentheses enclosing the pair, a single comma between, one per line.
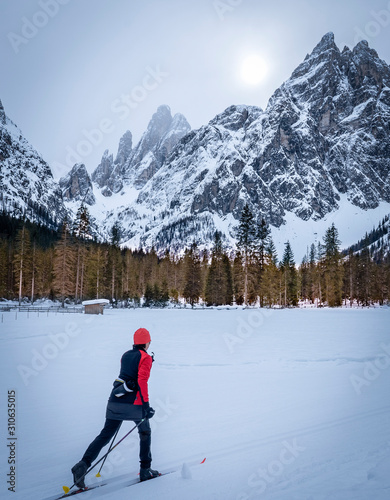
(104,170)
(325,58)
(326,43)
(124,148)
(107,175)
(162,134)
(368,65)
(157,128)
(77,185)
(162,113)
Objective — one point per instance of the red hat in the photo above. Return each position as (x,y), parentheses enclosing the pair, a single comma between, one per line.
(141,336)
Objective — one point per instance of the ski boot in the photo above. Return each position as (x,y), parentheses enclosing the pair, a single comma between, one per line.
(78,472)
(145,474)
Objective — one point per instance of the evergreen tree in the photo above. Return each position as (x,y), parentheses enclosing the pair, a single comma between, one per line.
(246,239)
(349,281)
(22,261)
(304,273)
(81,229)
(164,294)
(289,277)
(271,277)
(238,279)
(44,272)
(262,242)
(204,266)
(165,266)
(64,265)
(363,277)
(312,277)
(82,223)
(192,280)
(114,263)
(131,276)
(114,273)
(34,269)
(96,269)
(271,254)
(148,296)
(219,287)
(332,267)
(116,234)
(157,296)
(227,271)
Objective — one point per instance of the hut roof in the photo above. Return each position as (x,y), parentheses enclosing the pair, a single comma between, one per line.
(95,302)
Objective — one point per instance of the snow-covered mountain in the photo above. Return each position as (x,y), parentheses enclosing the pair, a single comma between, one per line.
(318,153)
(323,139)
(26,181)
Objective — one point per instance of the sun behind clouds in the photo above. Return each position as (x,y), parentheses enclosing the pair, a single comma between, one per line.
(254,69)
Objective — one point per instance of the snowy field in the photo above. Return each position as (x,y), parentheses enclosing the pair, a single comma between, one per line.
(284,405)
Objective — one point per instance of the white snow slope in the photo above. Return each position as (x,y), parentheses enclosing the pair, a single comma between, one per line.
(285,404)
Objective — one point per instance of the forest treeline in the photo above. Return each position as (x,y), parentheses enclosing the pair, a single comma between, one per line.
(69,265)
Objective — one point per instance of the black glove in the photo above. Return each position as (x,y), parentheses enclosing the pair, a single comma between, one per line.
(147,410)
(121,387)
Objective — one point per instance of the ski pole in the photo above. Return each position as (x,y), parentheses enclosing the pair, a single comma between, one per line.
(109,449)
(67,489)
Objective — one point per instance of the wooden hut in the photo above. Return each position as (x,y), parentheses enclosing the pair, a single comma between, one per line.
(94,306)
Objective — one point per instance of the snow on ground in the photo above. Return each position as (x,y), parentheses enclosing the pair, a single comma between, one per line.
(285,404)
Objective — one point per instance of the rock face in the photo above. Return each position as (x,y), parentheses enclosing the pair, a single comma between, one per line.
(77,185)
(325,133)
(109,173)
(136,166)
(26,181)
(124,148)
(162,134)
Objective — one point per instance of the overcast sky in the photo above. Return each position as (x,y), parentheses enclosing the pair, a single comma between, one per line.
(76,74)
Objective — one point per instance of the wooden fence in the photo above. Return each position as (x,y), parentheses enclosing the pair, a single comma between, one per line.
(28,309)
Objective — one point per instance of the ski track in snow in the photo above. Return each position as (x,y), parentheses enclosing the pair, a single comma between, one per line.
(327,467)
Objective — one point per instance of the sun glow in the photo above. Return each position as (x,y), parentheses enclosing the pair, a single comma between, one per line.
(254,69)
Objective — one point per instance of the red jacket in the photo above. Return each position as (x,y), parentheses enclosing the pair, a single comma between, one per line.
(144,367)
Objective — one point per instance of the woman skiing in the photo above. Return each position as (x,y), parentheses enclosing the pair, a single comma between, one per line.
(129,400)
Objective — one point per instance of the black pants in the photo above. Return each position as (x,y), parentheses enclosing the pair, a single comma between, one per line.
(107,433)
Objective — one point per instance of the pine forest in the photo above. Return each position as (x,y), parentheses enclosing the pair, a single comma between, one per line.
(70,266)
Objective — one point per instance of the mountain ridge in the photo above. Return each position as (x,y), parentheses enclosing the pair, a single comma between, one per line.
(323,140)
(324,133)
(27,186)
